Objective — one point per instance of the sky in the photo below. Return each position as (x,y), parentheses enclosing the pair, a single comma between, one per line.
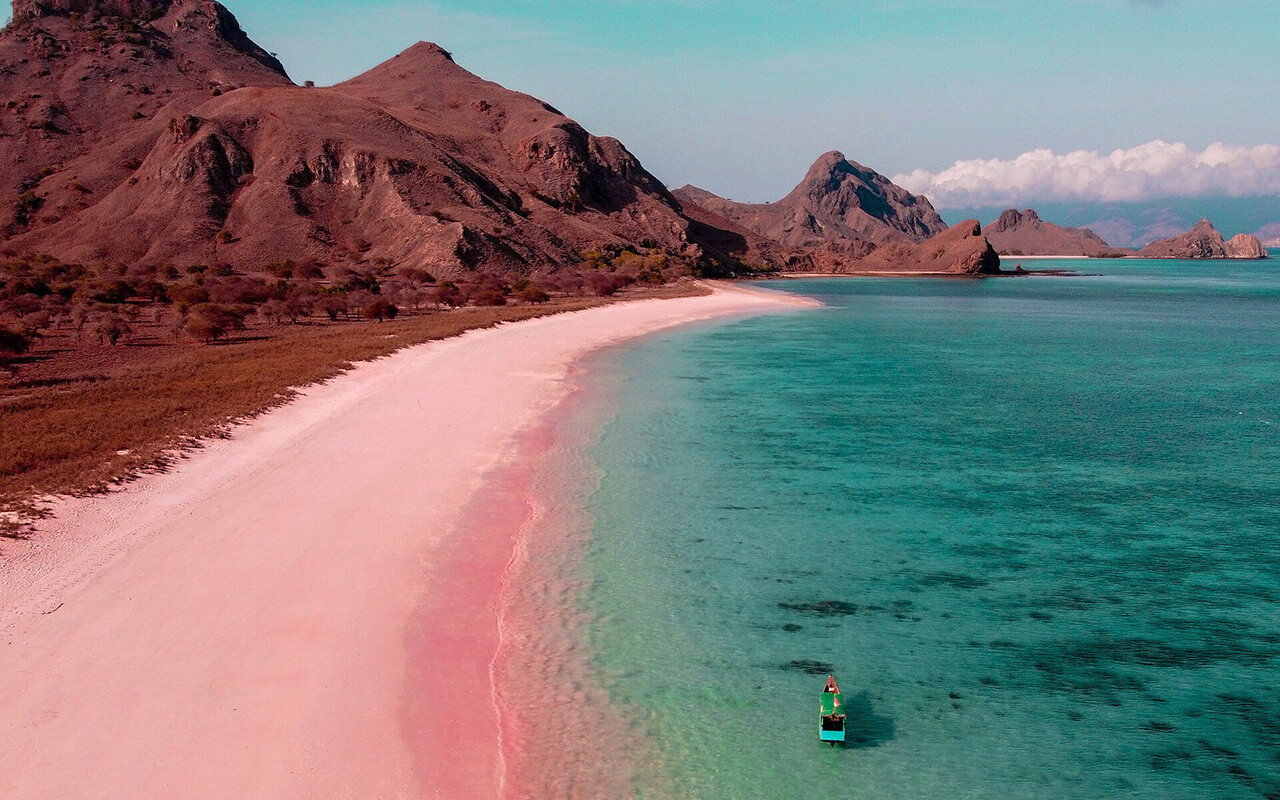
(970,101)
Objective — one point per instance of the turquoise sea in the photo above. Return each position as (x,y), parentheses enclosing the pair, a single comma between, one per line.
(1031,524)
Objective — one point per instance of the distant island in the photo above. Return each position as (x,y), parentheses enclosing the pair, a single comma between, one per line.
(1024,233)
(1204,241)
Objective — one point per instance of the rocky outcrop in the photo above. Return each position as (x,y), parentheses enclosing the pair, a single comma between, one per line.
(1024,233)
(960,250)
(86,98)
(1204,241)
(844,218)
(1242,245)
(841,211)
(132,9)
(155,132)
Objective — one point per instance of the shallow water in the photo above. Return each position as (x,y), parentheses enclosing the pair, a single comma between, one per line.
(1031,524)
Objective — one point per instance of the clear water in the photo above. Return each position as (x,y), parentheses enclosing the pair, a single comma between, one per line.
(1032,525)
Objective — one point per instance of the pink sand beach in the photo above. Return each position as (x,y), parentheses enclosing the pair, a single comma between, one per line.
(311,608)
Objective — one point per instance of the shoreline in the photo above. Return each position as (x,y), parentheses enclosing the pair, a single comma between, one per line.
(238,626)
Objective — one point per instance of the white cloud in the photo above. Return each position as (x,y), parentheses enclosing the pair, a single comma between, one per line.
(1154,170)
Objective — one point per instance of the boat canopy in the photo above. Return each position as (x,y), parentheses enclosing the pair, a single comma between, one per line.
(832,704)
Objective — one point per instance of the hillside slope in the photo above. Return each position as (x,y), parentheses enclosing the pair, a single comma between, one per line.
(157,132)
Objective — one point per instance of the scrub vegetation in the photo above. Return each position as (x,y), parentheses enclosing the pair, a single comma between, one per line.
(107,373)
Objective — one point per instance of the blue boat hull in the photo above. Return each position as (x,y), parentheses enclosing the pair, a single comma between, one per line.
(830,736)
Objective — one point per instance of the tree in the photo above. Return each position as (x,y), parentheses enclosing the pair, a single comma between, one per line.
(298,303)
(153,290)
(111,327)
(13,345)
(489,296)
(185,295)
(417,276)
(448,294)
(332,304)
(209,322)
(273,311)
(532,294)
(380,309)
(605,285)
(80,316)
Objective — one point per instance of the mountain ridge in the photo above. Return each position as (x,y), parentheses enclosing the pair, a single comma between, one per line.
(155,134)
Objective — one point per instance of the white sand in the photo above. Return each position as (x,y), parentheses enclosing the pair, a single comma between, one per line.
(237,628)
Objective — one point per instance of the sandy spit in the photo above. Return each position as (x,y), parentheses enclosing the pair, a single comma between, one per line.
(237,628)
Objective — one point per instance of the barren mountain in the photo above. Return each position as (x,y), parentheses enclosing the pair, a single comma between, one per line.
(1204,241)
(840,212)
(87,93)
(1269,234)
(1023,233)
(846,218)
(155,131)
(728,242)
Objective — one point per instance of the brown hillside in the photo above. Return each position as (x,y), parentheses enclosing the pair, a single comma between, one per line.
(86,96)
(157,132)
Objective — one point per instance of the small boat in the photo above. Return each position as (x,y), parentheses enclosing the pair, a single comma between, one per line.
(831,719)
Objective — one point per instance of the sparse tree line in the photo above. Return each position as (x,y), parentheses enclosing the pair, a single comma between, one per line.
(42,297)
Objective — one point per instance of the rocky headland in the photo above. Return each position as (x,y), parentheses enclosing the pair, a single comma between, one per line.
(846,218)
(1204,241)
(1024,233)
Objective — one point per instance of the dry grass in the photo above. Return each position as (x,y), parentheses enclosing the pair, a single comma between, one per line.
(78,436)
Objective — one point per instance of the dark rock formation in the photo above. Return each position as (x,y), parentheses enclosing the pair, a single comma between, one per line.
(1204,241)
(1023,233)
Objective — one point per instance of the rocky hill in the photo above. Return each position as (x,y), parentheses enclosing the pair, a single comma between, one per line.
(156,131)
(840,211)
(1024,233)
(847,218)
(1204,241)
(962,249)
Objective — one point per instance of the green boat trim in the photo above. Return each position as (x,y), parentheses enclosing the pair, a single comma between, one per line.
(831,717)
